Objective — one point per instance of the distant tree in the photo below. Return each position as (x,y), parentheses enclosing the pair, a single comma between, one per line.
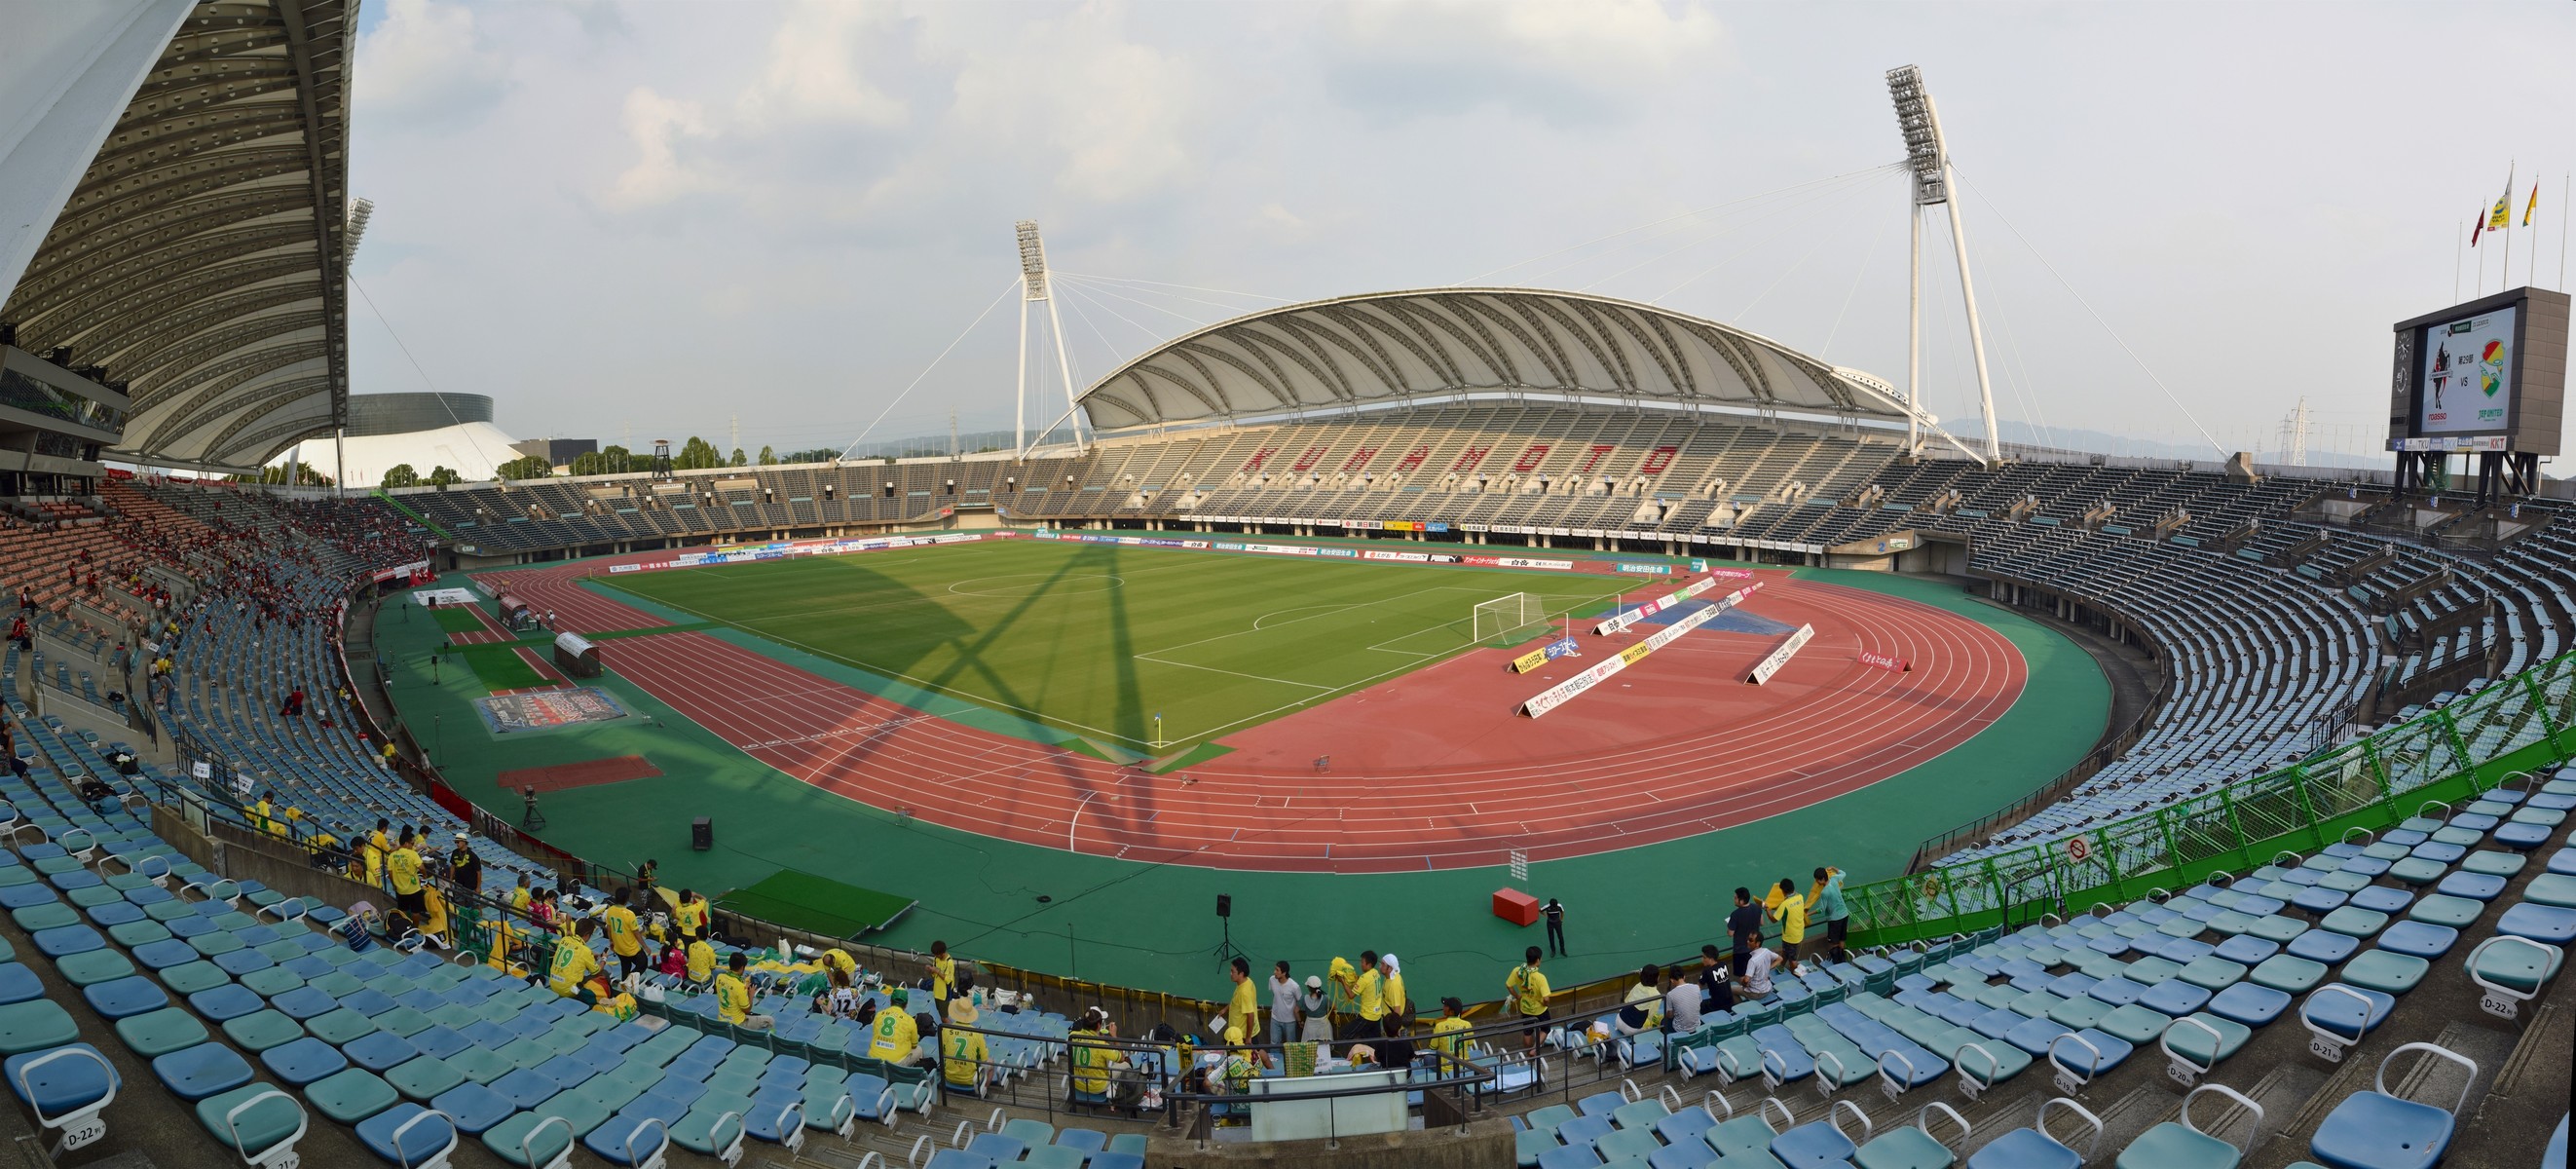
(768,457)
(530,467)
(610,460)
(305,476)
(816,455)
(401,475)
(738,460)
(697,454)
(443,477)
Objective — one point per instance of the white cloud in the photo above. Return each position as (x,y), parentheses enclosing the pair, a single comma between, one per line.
(656,125)
(427,60)
(1113,114)
(814,69)
(1545,58)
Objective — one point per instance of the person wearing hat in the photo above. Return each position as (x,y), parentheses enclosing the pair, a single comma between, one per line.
(1448,1036)
(1314,1013)
(1399,1009)
(464,868)
(895,1036)
(733,995)
(962,1051)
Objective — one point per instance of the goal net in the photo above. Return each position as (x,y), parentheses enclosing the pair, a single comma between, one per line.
(1507,617)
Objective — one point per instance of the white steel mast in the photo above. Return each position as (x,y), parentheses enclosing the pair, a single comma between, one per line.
(1034,287)
(1929,158)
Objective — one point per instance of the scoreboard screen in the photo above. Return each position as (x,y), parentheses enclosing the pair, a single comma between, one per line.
(2489,375)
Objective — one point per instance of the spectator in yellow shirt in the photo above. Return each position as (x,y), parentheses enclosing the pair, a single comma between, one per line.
(963,1052)
(402,868)
(521,896)
(691,914)
(1399,1009)
(733,996)
(1448,1036)
(894,1037)
(373,846)
(1791,912)
(702,961)
(1369,993)
(1526,990)
(573,965)
(625,934)
(943,972)
(1245,1003)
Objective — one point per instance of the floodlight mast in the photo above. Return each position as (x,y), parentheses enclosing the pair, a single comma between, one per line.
(1035,287)
(1929,158)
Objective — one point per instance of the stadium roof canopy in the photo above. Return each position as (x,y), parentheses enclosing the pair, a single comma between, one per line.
(1352,352)
(201,256)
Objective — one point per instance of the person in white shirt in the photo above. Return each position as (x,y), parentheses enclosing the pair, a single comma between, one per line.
(1757,971)
(1283,1005)
(1681,1002)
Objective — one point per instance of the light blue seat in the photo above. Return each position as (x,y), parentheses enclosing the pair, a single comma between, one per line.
(2378,1130)
(2033,1148)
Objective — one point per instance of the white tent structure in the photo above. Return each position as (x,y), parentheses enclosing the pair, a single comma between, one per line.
(473,449)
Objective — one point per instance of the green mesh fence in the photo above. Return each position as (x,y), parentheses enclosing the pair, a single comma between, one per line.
(2522,724)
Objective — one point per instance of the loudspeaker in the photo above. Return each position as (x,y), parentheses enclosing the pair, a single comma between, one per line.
(702,834)
(1224,905)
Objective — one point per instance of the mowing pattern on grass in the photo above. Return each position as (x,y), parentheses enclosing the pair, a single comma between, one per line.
(1098,641)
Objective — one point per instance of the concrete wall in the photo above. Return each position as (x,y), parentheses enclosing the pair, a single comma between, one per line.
(243,855)
(1487,1144)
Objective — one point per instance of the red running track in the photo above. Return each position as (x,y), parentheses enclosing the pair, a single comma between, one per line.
(1429,770)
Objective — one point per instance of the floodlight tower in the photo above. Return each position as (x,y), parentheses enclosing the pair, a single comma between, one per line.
(1034,287)
(1929,158)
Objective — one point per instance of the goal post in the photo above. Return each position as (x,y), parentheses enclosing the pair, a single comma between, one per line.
(1506,617)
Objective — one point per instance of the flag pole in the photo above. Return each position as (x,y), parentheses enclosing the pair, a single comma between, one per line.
(2562,232)
(2505,275)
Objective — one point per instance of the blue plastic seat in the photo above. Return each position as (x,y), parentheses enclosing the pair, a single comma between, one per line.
(474,1107)
(302,1061)
(120,997)
(2378,1130)
(408,1135)
(2382,899)
(57,1084)
(2333,1008)
(2324,946)
(2547,924)
(207,1069)
(2418,939)
(2247,1003)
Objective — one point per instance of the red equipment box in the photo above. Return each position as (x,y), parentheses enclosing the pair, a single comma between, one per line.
(1516,907)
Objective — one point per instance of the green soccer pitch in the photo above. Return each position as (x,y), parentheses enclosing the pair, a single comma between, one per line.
(1096,639)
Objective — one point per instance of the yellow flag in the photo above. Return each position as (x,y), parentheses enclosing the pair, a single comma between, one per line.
(2532,206)
(2502,216)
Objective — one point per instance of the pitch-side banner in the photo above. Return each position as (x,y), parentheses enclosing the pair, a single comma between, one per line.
(1563,692)
(1621,621)
(1780,657)
(1561,647)
(1885,661)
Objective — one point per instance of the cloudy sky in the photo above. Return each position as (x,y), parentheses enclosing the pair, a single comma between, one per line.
(651,220)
